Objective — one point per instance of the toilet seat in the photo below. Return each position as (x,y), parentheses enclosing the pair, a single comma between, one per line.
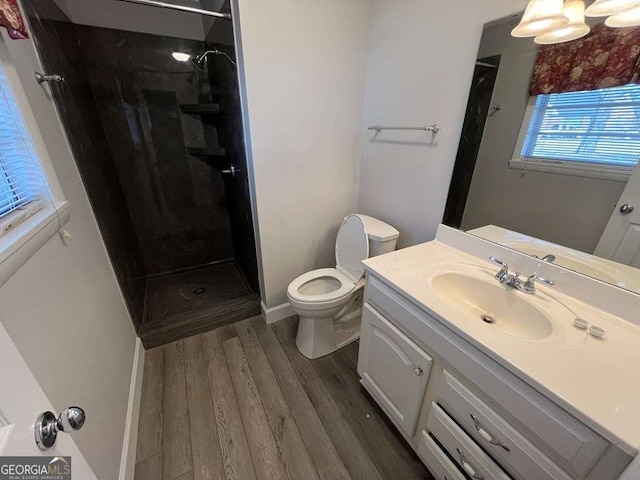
(329,301)
(336,286)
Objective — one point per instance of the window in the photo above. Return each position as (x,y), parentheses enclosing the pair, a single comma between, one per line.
(22,181)
(594,131)
(33,208)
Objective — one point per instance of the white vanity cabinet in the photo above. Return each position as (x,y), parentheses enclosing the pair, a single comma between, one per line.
(393,369)
(463,412)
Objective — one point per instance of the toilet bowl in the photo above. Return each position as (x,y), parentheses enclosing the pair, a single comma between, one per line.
(329,300)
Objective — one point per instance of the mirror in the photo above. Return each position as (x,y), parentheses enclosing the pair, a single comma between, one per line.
(553,175)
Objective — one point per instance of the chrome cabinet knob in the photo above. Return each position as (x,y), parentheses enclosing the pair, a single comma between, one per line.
(48,426)
(417,371)
(626,209)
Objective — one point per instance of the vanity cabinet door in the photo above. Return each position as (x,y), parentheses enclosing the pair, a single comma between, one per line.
(393,369)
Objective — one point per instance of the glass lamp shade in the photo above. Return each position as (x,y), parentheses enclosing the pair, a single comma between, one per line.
(604,8)
(541,16)
(577,28)
(630,18)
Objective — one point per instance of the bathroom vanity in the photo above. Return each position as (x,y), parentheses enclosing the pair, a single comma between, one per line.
(488,380)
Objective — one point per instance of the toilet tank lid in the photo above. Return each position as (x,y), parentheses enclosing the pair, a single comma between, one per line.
(378,230)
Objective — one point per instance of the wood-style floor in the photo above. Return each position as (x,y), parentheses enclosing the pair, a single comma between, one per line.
(241,402)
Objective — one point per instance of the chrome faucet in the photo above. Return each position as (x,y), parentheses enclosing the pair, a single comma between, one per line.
(547,258)
(526,286)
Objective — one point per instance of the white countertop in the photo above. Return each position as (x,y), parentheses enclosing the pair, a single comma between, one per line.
(598,381)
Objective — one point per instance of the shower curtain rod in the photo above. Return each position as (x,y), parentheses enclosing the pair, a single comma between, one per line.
(155,3)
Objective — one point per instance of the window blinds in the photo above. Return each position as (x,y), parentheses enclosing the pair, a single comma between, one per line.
(599,126)
(21,177)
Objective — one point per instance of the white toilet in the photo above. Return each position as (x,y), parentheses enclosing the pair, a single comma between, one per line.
(329,300)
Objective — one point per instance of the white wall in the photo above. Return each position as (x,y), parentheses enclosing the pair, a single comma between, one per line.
(63,309)
(304,69)
(419,70)
(135,18)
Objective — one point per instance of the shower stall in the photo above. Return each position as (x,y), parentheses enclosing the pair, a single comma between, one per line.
(151,107)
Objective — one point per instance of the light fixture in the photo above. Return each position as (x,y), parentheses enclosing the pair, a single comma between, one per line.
(630,18)
(604,8)
(577,28)
(180,56)
(541,16)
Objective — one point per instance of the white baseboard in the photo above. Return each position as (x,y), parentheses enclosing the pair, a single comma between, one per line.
(275,314)
(128,460)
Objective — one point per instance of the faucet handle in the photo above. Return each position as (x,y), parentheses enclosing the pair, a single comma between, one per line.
(504,271)
(530,284)
(499,262)
(537,277)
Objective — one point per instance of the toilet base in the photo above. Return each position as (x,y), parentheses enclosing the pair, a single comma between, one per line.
(318,337)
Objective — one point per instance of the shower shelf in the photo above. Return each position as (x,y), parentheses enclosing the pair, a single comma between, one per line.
(207,151)
(201,108)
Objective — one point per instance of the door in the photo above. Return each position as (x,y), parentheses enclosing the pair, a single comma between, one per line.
(393,369)
(620,241)
(21,401)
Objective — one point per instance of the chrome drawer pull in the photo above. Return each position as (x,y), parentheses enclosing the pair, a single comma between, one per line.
(417,371)
(486,435)
(468,468)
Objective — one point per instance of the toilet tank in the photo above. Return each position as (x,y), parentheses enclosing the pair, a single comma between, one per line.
(382,236)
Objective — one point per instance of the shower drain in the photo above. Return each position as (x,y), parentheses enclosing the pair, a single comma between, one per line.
(488,319)
(198,290)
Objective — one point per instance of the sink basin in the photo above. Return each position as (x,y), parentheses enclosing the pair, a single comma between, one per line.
(499,307)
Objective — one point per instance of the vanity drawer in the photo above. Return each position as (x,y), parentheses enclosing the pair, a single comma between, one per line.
(439,464)
(567,441)
(515,453)
(468,454)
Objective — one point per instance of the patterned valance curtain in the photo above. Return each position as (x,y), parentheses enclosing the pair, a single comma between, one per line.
(11,19)
(607,57)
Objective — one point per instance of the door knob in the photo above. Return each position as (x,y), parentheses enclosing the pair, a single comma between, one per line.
(417,371)
(48,426)
(626,209)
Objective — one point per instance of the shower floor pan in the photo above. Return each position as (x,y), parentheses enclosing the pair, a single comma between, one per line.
(182,304)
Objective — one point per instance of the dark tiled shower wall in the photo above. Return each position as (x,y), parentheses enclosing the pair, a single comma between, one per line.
(55,35)
(158,208)
(224,80)
(176,200)
(223,77)
(484,79)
